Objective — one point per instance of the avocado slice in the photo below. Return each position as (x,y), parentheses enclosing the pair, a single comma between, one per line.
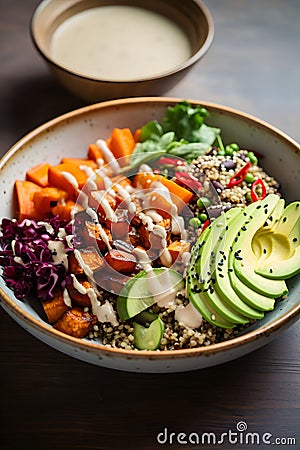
(136,296)
(281,270)
(194,291)
(245,260)
(251,297)
(206,268)
(284,261)
(223,284)
(288,219)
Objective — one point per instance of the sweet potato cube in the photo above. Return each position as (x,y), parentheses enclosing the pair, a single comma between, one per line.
(91,258)
(110,280)
(55,307)
(75,322)
(63,210)
(74,266)
(79,298)
(61,175)
(177,248)
(80,162)
(93,237)
(121,261)
(25,191)
(48,198)
(38,174)
(103,202)
(94,152)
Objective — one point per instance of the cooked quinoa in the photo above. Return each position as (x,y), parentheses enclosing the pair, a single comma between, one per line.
(218,170)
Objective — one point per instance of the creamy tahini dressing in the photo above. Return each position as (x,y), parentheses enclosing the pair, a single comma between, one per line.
(119,43)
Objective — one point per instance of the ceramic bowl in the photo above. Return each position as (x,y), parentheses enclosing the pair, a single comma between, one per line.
(70,135)
(191,15)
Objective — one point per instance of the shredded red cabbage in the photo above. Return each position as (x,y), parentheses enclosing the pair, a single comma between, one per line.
(29,268)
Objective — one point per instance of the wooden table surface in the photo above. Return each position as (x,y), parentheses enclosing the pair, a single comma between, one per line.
(51,401)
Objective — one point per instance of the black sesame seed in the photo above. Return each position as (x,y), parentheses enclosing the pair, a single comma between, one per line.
(295,240)
(222,276)
(266,211)
(265,251)
(230,270)
(284,219)
(271,270)
(259,206)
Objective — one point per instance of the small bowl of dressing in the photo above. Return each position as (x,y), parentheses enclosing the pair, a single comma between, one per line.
(99,49)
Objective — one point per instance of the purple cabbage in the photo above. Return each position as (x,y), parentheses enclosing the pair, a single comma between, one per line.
(35,274)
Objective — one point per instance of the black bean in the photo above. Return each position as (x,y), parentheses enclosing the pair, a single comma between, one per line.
(229,164)
(217,185)
(214,212)
(242,156)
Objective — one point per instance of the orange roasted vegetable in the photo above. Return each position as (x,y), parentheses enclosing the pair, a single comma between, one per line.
(94,152)
(74,266)
(92,236)
(55,307)
(38,174)
(58,177)
(178,248)
(75,322)
(64,210)
(25,191)
(121,261)
(79,298)
(103,202)
(137,135)
(180,196)
(121,144)
(47,198)
(91,258)
(80,162)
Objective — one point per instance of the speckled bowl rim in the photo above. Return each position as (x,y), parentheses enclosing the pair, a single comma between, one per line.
(179,68)
(264,331)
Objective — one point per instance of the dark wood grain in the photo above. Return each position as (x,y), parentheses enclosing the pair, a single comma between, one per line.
(51,401)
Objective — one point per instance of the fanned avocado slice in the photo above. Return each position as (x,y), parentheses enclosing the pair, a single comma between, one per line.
(283,269)
(223,284)
(284,261)
(251,297)
(206,267)
(194,292)
(244,259)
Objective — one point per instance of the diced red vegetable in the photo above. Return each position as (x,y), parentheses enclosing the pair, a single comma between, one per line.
(254,196)
(239,176)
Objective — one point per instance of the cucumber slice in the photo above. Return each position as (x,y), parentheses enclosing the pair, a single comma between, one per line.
(136,296)
(148,338)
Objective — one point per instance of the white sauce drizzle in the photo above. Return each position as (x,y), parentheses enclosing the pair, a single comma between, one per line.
(108,155)
(154,215)
(188,316)
(60,256)
(99,196)
(67,298)
(105,312)
(77,285)
(47,226)
(19,260)
(13,244)
(61,233)
(69,240)
(71,179)
(85,267)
